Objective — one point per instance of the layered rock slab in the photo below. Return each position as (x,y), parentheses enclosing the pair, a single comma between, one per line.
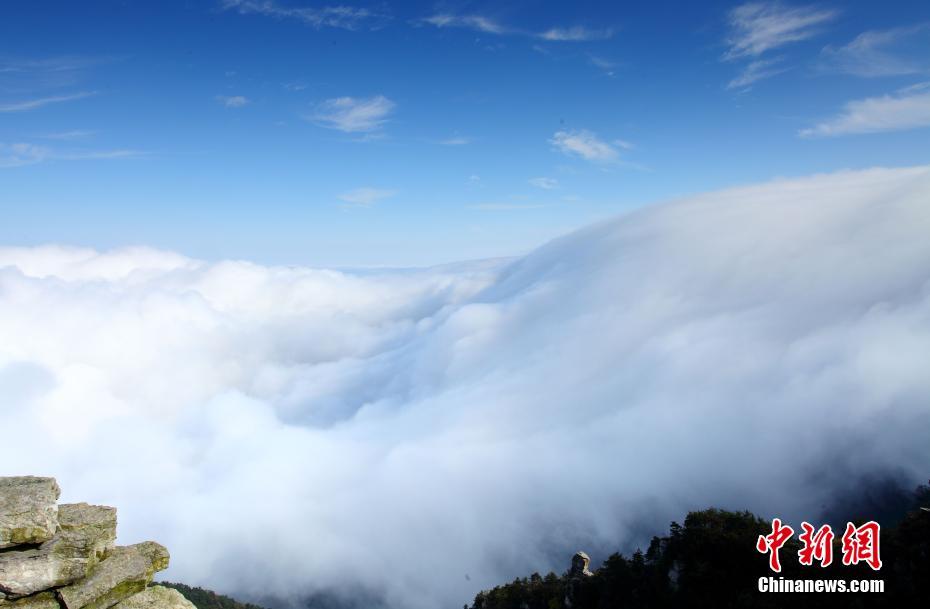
(86,533)
(156,597)
(63,557)
(43,600)
(28,510)
(124,572)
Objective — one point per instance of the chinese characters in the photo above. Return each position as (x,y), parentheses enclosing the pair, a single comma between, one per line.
(858,544)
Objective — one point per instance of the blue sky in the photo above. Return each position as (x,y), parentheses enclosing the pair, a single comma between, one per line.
(357,134)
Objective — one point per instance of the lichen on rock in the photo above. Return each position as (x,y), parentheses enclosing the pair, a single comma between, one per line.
(156,597)
(64,557)
(85,534)
(42,600)
(28,511)
(124,572)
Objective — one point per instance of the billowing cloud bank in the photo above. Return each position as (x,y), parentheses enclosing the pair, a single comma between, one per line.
(296,430)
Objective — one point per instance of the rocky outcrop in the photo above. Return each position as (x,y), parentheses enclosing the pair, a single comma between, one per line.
(28,511)
(579,568)
(576,577)
(85,533)
(155,597)
(44,600)
(64,556)
(124,572)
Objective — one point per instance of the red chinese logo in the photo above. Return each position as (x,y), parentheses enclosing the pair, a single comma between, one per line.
(773,542)
(861,545)
(817,545)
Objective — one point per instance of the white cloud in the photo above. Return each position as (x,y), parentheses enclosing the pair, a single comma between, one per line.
(340,16)
(606,65)
(74,134)
(575,34)
(765,344)
(505,206)
(587,145)
(757,27)
(488,25)
(755,71)
(353,114)
(91,155)
(894,52)
(545,183)
(23,153)
(456,141)
(32,104)
(49,65)
(366,196)
(472,22)
(906,109)
(624,144)
(234,101)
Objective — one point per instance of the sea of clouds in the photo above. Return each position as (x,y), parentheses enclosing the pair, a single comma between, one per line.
(424,434)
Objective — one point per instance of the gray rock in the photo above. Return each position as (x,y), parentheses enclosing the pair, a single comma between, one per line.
(124,572)
(86,533)
(156,597)
(43,600)
(28,514)
(580,562)
(576,574)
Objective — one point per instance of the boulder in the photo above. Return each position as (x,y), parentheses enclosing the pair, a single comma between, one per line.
(124,572)
(579,568)
(64,557)
(43,600)
(28,514)
(156,597)
(86,533)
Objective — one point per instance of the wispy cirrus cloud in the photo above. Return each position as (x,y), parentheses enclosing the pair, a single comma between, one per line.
(588,146)
(575,34)
(65,63)
(757,27)
(471,22)
(603,64)
(20,154)
(505,206)
(39,102)
(875,53)
(907,108)
(30,75)
(757,70)
(97,155)
(489,25)
(233,101)
(366,196)
(337,16)
(353,114)
(456,140)
(74,134)
(544,183)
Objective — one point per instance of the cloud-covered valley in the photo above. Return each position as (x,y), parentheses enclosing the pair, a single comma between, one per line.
(301,430)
